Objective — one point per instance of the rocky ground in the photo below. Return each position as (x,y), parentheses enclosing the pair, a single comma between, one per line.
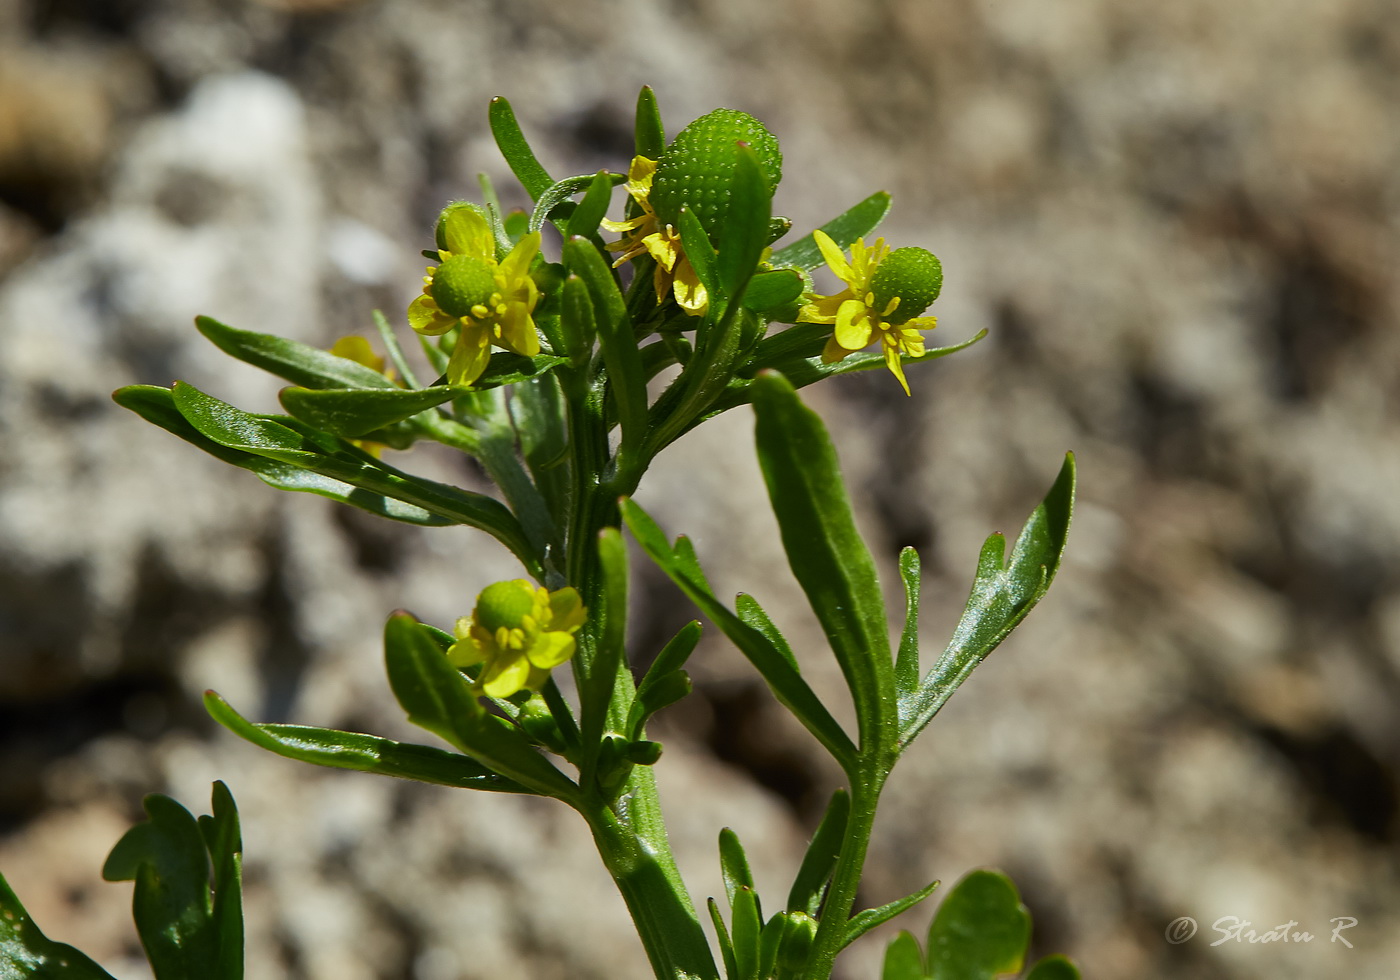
(1177,222)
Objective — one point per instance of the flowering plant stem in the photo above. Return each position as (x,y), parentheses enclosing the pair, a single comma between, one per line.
(542,372)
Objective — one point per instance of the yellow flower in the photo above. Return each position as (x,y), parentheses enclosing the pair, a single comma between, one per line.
(493,302)
(884,291)
(517,632)
(645,234)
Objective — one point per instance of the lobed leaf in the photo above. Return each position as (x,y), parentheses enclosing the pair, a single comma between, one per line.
(27,954)
(362,753)
(863,922)
(1002,594)
(981,930)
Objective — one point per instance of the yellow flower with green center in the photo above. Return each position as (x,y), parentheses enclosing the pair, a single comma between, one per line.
(492,302)
(885,292)
(518,632)
(645,235)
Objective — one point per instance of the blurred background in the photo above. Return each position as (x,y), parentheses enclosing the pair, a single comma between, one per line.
(1178,223)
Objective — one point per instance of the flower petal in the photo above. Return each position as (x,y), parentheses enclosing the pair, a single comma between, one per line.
(691,294)
(896,367)
(470,356)
(566,609)
(425,317)
(835,258)
(467,233)
(550,650)
(853,325)
(503,677)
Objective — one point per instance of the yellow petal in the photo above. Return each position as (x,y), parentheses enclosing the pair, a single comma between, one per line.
(517,263)
(425,317)
(835,258)
(566,610)
(467,233)
(896,367)
(551,649)
(853,325)
(465,653)
(662,249)
(691,294)
(502,678)
(833,351)
(517,329)
(470,356)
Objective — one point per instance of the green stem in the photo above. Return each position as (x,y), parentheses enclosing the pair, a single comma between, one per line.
(845,879)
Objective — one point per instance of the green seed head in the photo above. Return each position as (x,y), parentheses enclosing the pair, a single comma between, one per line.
(697,170)
(461,283)
(503,604)
(914,275)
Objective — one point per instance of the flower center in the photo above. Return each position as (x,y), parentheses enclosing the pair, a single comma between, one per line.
(912,275)
(463,283)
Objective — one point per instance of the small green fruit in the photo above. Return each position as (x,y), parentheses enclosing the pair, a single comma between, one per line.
(698,168)
(461,283)
(914,275)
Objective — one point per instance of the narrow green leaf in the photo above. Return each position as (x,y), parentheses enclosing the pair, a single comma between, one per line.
(1054,968)
(27,954)
(745,224)
(299,363)
(557,194)
(292,442)
(782,677)
(746,927)
(768,290)
(701,254)
(863,922)
(674,654)
(726,945)
(855,223)
(576,320)
(807,367)
(508,368)
(626,378)
(769,939)
(353,412)
(157,406)
(362,753)
(516,150)
(395,352)
(981,930)
(224,840)
(166,856)
(594,206)
(906,662)
(650,135)
(1002,595)
(665,682)
(752,614)
(598,678)
(824,549)
(903,959)
(437,697)
(733,865)
(809,887)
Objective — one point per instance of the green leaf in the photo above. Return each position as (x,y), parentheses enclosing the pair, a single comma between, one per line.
(576,320)
(626,379)
(855,223)
(516,150)
(981,930)
(726,945)
(591,210)
(752,614)
(167,857)
(824,549)
(391,345)
(299,363)
(733,865)
(665,682)
(701,254)
(362,753)
(809,887)
(354,412)
(224,840)
(27,954)
(780,674)
(1002,594)
(292,442)
(598,674)
(1054,968)
(906,661)
(557,194)
(768,290)
(508,368)
(864,921)
(437,697)
(745,224)
(650,136)
(746,929)
(903,959)
(157,406)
